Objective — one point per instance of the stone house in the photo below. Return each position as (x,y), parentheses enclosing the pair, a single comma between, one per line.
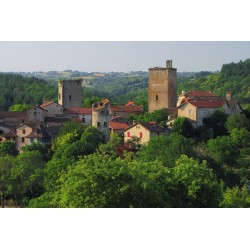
(37,113)
(145,131)
(52,108)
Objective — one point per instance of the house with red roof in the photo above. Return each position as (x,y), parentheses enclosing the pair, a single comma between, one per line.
(145,131)
(196,109)
(126,110)
(82,114)
(118,127)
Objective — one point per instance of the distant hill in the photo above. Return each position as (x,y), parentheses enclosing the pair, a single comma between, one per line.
(120,87)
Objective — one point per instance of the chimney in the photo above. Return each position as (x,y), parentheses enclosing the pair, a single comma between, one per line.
(134,122)
(228,96)
(169,64)
(183,93)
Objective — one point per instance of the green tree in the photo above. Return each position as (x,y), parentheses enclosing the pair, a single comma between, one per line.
(8,148)
(20,107)
(27,177)
(112,145)
(195,184)
(166,149)
(235,198)
(237,121)
(101,181)
(183,127)
(224,150)
(92,135)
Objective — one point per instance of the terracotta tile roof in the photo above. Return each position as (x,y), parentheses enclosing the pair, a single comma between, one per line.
(46,103)
(128,109)
(118,125)
(129,103)
(84,111)
(207,103)
(200,93)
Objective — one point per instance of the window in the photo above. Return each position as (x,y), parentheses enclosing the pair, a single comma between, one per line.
(83,120)
(22,120)
(190,112)
(141,134)
(128,134)
(70,97)
(156,97)
(23,131)
(105,124)
(31,140)
(107,112)
(23,139)
(98,124)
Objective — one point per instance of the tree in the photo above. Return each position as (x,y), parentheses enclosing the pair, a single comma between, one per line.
(8,148)
(240,136)
(166,149)
(195,184)
(112,145)
(27,177)
(223,150)
(20,107)
(101,181)
(92,135)
(235,198)
(237,121)
(183,127)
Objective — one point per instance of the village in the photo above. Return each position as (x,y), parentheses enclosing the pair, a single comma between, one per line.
(42,123)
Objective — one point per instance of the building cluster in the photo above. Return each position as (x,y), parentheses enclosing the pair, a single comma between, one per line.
(42,123)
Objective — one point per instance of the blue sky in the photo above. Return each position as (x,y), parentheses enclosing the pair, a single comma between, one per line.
(119,56)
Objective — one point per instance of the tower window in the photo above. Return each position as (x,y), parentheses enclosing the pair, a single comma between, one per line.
(70,97)
(59,96)
(156,98)
(98,124)
(105,124)
(23,131)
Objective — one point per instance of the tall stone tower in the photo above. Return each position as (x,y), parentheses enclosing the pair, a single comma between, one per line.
(101,116)
(162,86)
(70,93)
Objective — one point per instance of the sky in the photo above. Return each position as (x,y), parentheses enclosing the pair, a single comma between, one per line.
(119,56)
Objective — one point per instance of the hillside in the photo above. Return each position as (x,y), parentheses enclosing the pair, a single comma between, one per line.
(121,87)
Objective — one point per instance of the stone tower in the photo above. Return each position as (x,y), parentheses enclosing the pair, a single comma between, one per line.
(70,93)
(162,84)
(101,116)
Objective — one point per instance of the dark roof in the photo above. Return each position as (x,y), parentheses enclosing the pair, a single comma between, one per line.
(9,134)
(38,131)
(15,114)
(53,130)
(56,119)
(151,126)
